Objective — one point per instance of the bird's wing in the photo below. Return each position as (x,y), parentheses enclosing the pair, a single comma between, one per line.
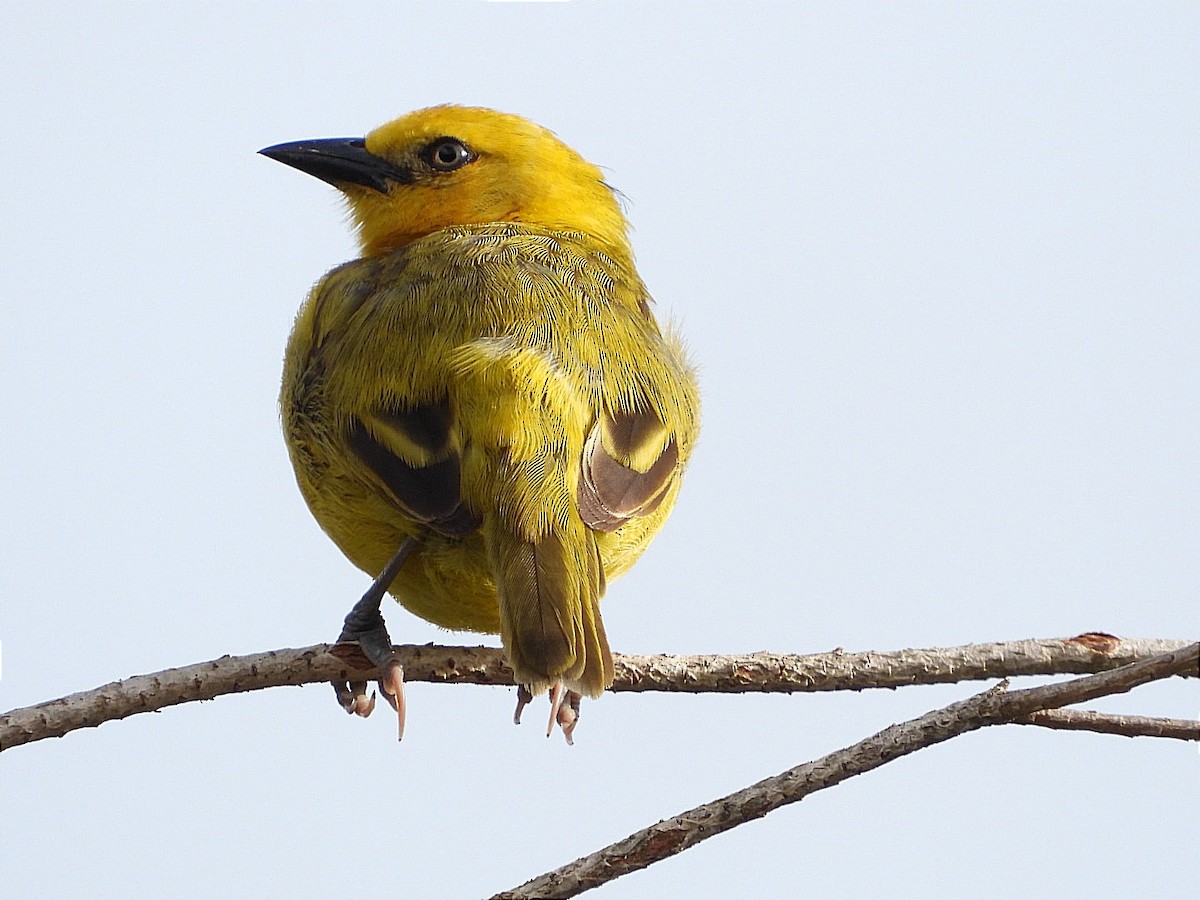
(629,461)
(410,451)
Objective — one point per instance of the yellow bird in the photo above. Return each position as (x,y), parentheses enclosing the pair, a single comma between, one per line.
(481,410)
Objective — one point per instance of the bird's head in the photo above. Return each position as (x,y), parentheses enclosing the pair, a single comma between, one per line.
(454,165)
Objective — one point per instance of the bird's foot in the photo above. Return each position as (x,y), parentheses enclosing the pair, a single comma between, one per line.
(371,635)
(364,626)
(564,709)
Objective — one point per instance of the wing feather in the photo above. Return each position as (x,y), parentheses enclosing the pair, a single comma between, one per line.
(628,462)
(410,451)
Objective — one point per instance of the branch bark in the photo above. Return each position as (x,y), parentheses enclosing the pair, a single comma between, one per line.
(1110,723)
(755,672)
(993,707)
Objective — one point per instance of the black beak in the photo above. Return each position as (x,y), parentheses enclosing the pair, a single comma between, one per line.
(339,161)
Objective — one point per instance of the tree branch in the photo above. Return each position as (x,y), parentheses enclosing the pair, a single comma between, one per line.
(1110,723)
(756,672)
(992,707)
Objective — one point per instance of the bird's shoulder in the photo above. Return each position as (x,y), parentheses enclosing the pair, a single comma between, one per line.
(479,279)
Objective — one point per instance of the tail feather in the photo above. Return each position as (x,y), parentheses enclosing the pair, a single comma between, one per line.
(550,622)
(598,664)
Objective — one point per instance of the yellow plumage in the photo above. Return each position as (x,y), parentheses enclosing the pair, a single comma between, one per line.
(488,380)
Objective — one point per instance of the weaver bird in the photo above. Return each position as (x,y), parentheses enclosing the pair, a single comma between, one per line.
(481,410)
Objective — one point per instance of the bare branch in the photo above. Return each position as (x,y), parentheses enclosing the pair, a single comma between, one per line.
(1110,723)
(993,707)
(840,670)
(756,672)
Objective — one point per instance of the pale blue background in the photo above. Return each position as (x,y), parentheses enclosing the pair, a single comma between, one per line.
(938,264)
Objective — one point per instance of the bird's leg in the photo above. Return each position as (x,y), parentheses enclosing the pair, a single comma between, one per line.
(365,626)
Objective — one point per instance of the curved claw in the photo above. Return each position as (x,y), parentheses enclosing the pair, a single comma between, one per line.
(392,684)
(353,697)
(362,705)
(568,716)
(556,699)
(524,698)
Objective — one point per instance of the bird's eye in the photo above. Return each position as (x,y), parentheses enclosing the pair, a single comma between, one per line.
(447,154)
